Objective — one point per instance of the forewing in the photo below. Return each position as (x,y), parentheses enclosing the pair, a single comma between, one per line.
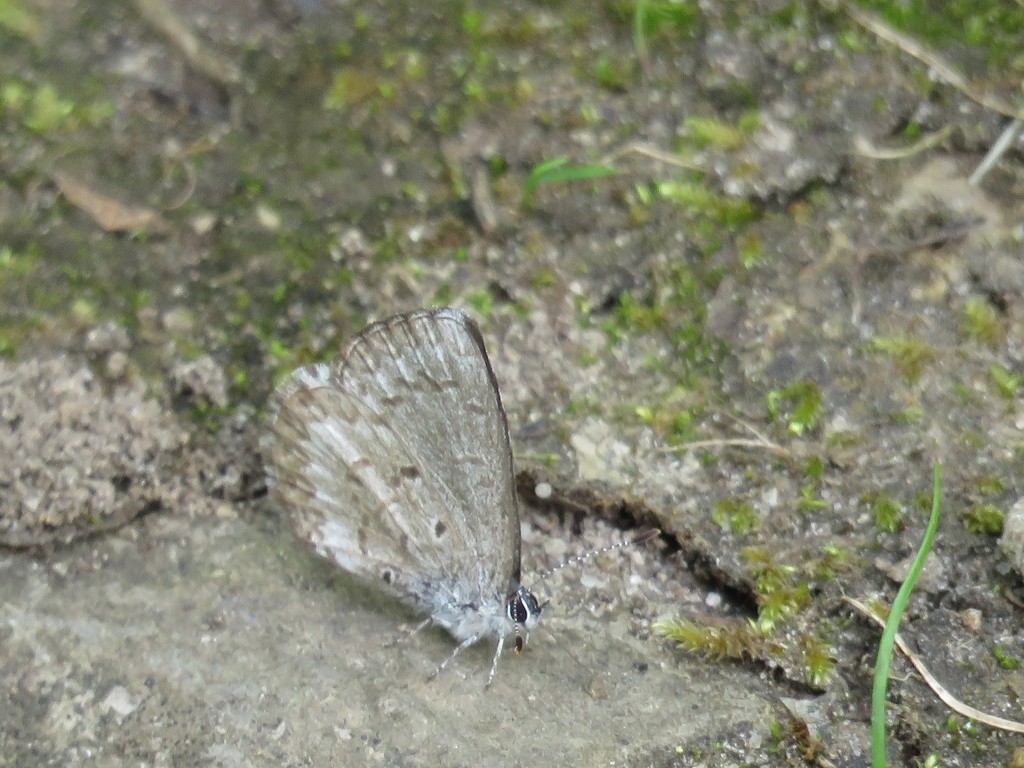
(334,483)
(428,374)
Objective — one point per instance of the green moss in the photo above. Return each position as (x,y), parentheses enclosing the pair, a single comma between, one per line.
(710,207)
(278,296)
(8,345)
(885,510)
(814,469)
(543,277)
(782,591)
(443,294)
(912,414)
(974,439)
(989,485)
(833,561)
(776,734)
(581,407)
(671,421)
(47,110)
(636,317)
(1005,659)
(350,86)
(912,130)
(651,18)
(737,640)
(911,356)
(482,302)
(993,27)
(1006,382)
(14,95)
(751,250)
(43,109)
(981,322)
(688,356)
(887,514)
(208,417)
(921,501)
(712,132)
(737,517)
(280,351)
(984,518)
(809,499)
(680,428)
(818,661)
(844,438)
(612,74)
(15,265)
(17,18)
(800,404)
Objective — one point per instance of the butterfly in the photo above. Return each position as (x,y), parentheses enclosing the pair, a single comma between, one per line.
(394,462)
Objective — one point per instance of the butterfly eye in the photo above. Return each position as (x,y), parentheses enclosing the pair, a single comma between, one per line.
(522,608)
(515,610)
(531,606)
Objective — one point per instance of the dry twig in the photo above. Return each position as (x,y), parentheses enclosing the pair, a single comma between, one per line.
(945,696)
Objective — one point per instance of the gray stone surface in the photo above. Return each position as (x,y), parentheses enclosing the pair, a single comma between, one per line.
(223,642)
(1012,540)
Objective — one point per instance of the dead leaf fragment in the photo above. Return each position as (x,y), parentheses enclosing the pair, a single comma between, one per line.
(112,215)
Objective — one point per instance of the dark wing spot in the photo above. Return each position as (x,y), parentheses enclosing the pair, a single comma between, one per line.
(476,409)
(440,529)
(449,383)
(386,575)
(379,420)
(409,473)
(356,471)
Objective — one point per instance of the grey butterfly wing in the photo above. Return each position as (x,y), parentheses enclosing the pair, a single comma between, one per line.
(428,376)
(320,472)
(396,462)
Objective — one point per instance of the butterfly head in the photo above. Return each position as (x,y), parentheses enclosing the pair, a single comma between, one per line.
(523,611)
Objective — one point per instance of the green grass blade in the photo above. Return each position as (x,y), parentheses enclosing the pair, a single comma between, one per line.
(639,35)
(884,660)
(557,170)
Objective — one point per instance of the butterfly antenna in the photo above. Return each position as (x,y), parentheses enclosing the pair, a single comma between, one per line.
(640,538)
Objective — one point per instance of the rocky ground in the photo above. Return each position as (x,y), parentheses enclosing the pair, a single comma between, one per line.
(754,305)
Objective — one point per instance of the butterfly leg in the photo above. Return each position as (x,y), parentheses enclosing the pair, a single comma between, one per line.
(494,664)
(410,634)
(461,647)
